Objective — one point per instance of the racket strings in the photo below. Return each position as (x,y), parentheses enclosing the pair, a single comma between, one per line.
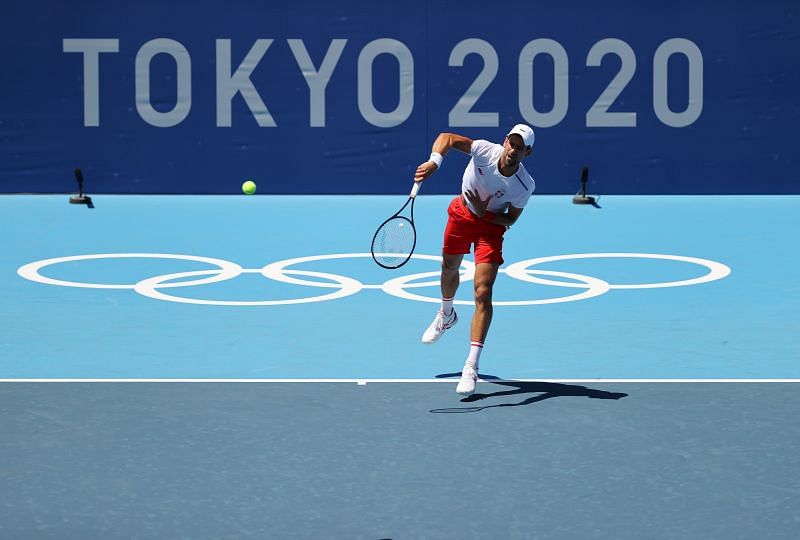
(394,242)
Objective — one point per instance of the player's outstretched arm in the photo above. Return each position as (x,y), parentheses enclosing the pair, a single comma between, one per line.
(443,143)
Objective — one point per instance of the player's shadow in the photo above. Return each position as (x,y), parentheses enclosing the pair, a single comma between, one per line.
(542,391)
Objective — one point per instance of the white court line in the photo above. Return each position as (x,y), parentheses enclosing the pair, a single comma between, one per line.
(365,381)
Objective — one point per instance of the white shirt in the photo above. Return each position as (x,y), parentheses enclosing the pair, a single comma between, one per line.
(483,177)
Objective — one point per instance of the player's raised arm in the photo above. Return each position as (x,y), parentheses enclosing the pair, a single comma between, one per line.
(443,143)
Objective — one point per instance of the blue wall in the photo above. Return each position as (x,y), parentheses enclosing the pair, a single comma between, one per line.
(704,96)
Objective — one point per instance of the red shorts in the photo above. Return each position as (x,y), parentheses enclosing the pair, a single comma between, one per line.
(465,228)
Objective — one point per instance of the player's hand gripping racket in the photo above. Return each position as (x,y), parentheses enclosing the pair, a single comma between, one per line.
(396,238)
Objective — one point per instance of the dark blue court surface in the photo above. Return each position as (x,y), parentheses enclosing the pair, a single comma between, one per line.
(306,460)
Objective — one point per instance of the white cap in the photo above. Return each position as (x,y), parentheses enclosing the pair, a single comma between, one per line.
(526,132)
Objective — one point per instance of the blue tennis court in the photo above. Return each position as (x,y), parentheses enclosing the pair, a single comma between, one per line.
(238,367)
(239,287)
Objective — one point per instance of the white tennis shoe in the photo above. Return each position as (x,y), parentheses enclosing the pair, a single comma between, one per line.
(440,323)
(469,377)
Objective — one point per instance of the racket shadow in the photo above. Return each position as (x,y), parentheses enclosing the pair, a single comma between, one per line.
(543,391)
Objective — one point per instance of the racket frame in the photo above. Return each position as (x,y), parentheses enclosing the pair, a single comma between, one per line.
(411,199)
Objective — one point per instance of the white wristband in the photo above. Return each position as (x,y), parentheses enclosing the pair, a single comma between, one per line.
(437,158)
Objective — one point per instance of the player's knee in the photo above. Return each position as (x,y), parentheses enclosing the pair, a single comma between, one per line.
(449,266)
(483,295)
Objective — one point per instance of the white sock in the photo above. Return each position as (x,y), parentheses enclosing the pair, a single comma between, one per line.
(475,348)
(447,306)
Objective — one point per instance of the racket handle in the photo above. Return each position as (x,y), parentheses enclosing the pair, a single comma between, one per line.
(415,189)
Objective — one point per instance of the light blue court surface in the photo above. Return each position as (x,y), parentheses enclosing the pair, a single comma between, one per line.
(327,315)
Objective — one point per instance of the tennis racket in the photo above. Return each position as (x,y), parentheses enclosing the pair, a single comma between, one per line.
(396,238)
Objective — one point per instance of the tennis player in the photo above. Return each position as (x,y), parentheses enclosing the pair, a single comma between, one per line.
(494,190)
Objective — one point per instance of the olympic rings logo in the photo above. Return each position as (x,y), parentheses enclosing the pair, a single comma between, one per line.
(282,271)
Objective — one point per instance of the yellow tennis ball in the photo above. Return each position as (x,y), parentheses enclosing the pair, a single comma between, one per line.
(249,187)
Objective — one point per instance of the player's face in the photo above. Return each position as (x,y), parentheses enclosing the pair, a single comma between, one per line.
(514,150)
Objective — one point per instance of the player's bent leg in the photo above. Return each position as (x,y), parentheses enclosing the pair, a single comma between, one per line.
(450,278)
(446,317)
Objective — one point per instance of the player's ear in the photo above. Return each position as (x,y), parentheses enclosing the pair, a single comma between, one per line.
(528,151)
